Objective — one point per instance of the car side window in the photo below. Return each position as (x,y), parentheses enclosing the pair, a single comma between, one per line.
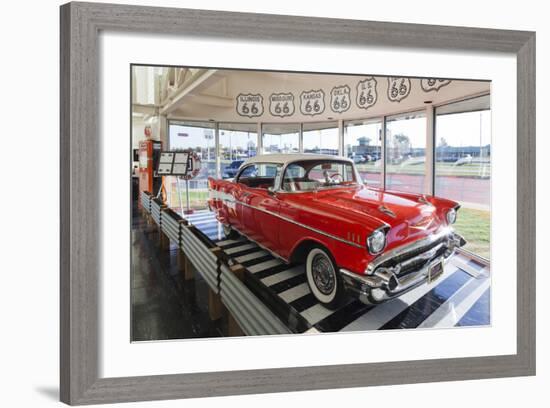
(248,172)
(259,175)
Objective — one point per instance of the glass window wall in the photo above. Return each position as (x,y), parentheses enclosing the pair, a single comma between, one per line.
(363,144)
(463,167)
(406,153)
(238,142)
(321,138)
(281,138)
(200,137)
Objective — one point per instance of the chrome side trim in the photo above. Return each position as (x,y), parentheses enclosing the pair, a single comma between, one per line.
(345,241)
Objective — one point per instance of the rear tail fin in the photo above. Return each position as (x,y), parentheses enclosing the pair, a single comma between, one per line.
(211,183)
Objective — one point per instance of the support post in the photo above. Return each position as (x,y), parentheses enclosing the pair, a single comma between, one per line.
(164,241)
(215,305)
(383,151)
(301,139)
(341,133)
(260,144)
(185,266)
(217,150)
(233,328)
(429,185)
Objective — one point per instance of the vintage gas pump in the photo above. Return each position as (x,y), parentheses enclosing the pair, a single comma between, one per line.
(149,155)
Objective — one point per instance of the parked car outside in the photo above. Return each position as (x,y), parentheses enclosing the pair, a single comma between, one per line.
(231,170)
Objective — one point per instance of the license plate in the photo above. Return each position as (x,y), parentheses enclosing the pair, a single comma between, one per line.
(435,271)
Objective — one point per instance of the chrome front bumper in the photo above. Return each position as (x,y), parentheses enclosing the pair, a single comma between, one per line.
(402,269)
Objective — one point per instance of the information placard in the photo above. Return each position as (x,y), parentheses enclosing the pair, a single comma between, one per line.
(181,164)
(165,163)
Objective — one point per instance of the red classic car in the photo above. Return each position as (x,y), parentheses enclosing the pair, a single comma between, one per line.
(354,239)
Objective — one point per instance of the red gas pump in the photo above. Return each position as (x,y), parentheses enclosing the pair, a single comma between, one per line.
(149,154)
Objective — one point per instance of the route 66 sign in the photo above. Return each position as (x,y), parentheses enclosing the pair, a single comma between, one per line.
(340,98)
(398,88)
(367,94)
(281,104)
(250,105)
(312,102)
(433,84)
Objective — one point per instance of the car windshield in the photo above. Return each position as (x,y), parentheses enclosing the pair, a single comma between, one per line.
(311,175)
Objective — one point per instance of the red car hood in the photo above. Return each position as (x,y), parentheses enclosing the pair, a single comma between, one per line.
(407,217)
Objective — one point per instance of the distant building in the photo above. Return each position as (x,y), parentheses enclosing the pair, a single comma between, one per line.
(453,153)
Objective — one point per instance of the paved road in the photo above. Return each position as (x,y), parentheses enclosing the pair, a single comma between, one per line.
(461,189)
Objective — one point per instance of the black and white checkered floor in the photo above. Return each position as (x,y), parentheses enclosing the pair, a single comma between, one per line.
(461,297)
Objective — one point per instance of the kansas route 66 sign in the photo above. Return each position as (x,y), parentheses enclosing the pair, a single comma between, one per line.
(281,104)
(250,105)
(312,102)
(433,84)
(367,94)
(340,99)
(398,88)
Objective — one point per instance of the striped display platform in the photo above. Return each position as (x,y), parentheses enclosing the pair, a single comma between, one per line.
(460,297)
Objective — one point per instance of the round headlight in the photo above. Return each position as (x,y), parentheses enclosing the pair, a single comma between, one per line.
(451,216)
(376,242)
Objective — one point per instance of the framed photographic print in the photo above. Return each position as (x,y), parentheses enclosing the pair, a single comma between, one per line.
(324,189)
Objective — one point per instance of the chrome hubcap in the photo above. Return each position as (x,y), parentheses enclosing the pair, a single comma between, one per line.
(323,274)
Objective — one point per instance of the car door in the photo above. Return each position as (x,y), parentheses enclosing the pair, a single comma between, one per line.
(259,207)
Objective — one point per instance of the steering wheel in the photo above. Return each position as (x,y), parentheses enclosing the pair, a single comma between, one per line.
(337,175)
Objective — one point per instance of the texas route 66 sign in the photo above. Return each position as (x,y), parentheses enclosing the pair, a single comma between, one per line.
(433,84)
(340,98)
(281,104)
(398,88)
(312,102)
(250,105)
(367,94)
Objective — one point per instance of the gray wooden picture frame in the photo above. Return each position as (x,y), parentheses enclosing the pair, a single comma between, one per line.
(81,24)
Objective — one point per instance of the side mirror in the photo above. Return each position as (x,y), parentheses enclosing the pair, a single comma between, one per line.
(271,191)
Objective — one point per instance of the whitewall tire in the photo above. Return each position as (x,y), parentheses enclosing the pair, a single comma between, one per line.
(323,278)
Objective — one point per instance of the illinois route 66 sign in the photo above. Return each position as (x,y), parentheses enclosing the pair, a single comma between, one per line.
(340,98)
(433,84)
(281,104)
(367,94)
(398,88)
(312,102)
(250,105)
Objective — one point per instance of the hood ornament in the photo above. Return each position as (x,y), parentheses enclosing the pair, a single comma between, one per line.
(386,211)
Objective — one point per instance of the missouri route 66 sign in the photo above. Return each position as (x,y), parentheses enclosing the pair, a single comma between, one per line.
(433,84)
(281,104)
(312,102)
(367,94)
(398,88)
(250,105)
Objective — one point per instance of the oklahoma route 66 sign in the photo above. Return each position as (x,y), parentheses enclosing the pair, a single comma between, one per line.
(367,94)
(250,105)
(281,104)
(398,88)
(340,98)
(312,102)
